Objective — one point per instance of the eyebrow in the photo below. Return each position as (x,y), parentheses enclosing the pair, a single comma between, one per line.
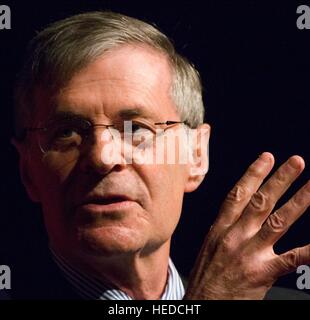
(131,113)
(64,115)
(124,114)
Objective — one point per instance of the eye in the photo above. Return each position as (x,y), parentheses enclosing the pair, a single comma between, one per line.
(141,128)
(136,127)
(69,129)
(64,137)
(65,133)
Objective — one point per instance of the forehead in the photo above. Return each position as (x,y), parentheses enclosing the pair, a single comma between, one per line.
(124,78)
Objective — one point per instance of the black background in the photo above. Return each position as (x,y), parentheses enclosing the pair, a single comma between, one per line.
(255,67)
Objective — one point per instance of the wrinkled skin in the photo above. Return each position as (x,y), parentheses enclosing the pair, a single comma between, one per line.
(237,260)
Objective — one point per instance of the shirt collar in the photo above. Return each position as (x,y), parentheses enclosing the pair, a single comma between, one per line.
(91,288)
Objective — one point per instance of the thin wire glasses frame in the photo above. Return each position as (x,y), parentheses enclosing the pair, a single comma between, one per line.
(69,133)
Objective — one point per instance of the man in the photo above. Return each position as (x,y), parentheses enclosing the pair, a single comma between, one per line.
(110,216)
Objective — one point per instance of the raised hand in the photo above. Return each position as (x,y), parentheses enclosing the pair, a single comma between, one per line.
(237,260)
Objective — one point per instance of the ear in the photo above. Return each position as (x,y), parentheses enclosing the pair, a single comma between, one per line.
(199,157)
(24,168)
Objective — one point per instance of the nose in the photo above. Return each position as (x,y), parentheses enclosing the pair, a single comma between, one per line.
(102,154)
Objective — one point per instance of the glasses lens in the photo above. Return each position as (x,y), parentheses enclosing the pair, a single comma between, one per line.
(63,136)
(142,131)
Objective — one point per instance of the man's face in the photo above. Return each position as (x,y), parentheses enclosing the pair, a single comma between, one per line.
(93,207)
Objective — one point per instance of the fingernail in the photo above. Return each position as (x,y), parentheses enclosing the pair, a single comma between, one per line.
(264,156)
(294,163)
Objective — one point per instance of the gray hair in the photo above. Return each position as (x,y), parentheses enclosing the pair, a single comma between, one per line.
(66,46)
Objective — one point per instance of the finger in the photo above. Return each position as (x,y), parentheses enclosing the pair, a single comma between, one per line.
(238,198)
(290,260)
(264,200)
(279,222)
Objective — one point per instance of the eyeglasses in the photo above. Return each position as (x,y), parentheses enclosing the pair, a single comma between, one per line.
(71,134)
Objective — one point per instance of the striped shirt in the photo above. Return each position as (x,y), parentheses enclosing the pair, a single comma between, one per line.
(91,288)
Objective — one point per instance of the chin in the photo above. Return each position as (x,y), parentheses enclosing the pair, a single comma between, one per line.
(110,241)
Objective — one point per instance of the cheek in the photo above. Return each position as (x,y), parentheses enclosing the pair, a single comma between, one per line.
(50,176)
(166,188)
(57,170)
